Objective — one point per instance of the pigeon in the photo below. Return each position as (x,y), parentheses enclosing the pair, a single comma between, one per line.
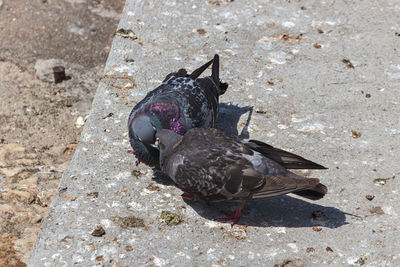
(182,101)
(212,165)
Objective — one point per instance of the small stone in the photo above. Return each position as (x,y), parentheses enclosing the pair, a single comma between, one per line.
(128,248)
(377,210)
(79,122)
(348,63)
(355,134)
(136,173)
(217,2)
(317,45)
(44,68)
(99,258)
(361,260)
(70,198)
(317,229)
(239,233)
(320,31)
(152,187)
(170,218)
(367,95)
(98,231)
(369,197)
(328,249)
(127,222)
(201,31)
(93,194)
(382,181)
(126,34)
(37,219)
(309,250)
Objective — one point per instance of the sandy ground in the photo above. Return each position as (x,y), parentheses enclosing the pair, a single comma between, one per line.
(41,121)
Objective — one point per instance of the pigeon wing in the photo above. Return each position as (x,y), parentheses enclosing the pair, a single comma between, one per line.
(284,158)
(216,166)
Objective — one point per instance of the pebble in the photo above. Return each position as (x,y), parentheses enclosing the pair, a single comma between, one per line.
(37,219)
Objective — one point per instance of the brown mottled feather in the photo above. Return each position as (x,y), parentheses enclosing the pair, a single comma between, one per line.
(216,166)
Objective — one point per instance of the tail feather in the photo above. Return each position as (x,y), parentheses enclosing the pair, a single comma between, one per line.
(215,70)
(275,186)
(215,76)
(284,158)
(315,193)
(196,73)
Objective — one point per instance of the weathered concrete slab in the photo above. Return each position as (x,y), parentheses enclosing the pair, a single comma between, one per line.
(302,76)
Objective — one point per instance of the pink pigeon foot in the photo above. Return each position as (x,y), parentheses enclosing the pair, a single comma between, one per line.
(234,217)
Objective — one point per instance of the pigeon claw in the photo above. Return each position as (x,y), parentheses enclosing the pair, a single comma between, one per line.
(234,217)
(132,152)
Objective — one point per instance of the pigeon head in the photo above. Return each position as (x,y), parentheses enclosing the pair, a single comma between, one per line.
(166,140)
(142,131)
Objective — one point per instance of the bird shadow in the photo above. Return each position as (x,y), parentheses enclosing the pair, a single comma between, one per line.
(282,211)
(229,116)
(161,178)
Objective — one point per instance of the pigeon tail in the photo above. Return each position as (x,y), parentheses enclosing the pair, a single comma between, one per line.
(318,192)
(276,186)
(215,76)
(197,72)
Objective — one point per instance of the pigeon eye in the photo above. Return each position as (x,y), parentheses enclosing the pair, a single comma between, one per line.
(158,140)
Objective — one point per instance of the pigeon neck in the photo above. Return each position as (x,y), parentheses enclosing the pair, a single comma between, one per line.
(168,116)
(168,148)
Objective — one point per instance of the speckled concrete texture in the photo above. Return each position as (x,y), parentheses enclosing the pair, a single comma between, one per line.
(319,78)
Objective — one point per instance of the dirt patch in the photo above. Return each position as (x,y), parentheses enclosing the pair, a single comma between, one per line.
(39,130)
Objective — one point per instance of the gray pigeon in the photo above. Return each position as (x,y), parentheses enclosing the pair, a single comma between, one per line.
(215,166)
(183,101)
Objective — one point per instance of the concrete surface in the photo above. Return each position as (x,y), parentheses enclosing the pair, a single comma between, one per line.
(316,78)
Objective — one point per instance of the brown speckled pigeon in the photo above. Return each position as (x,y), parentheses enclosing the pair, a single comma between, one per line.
(183,101)
(215,166)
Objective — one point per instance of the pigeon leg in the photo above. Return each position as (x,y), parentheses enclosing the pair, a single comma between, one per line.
(187,196)
(137,162)
(132,152)
(234,216)
(191,197)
